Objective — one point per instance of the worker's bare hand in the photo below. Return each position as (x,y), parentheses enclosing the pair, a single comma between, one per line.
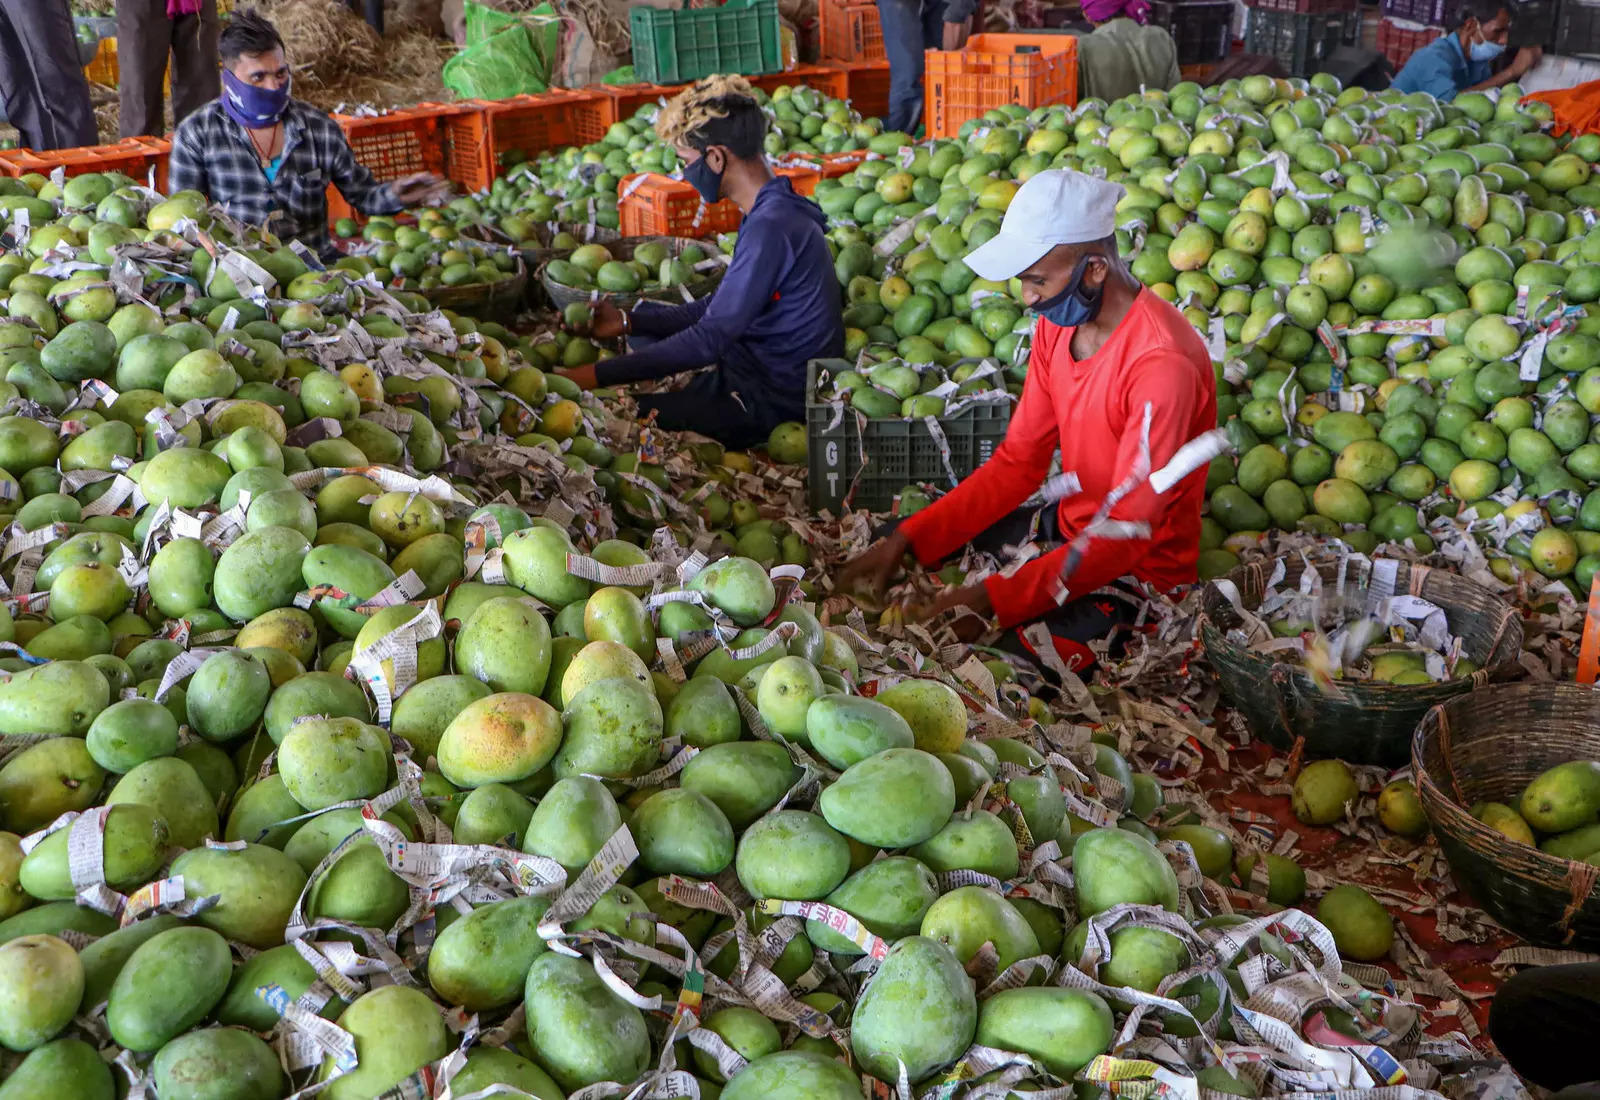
(869,571)
(967,607)
(609,322)
(955,34)
(420,189)
(583,377)
(1527,57)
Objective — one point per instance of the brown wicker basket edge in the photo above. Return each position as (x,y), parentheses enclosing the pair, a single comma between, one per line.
(1482,749)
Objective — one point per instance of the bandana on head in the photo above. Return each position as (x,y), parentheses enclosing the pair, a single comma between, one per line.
(1098,11)
(176,8)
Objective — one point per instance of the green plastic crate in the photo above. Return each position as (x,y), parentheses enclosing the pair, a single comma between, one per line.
(675,47)
(898,452)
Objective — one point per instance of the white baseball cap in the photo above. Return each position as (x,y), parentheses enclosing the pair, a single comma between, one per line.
(1054,207)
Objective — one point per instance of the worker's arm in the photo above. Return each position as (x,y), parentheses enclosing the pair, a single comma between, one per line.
(186,163)
(351,177)
(1173,396)
(1016,469)
(659,319)
(1526,59)
(758,262)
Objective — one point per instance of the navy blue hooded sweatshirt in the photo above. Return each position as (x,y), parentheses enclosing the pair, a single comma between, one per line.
(776,307)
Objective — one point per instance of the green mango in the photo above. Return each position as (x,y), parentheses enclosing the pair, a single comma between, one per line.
(572,822)
(227,695)
(972,841)
(487,1065)
(134,844)
(397,1030)
(184,477)
(970,916)
(55,917)
(613,729)
(104,959)
(892,799)
(793,1075)
(173,789)
(890,896)
(436,560)
(578,1029)
(359,888)
(744,779)
(129,732)
(737,586)
(481,960)
(682,832)
(258,886)
(323,694)
(623,913)
(536,562)
(73,639)
(328,760)
(217,1063)
(846,729)
(281,966)
(169,984)
(492,814)
(1042,805)
(702,713)
(506,644)
(351,570)
(1115,867)
(259,572)
(919,1009)
(424,711)
(41,983)
(62,1067)
(60,697)
(1065,1029)
(46,780)
(791,854)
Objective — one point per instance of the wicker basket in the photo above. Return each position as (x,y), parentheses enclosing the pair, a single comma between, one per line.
(536,257)
(1487,747)
(1362,722)
(561,296)
(486,301)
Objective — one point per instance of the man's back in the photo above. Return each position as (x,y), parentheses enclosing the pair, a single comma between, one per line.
(1441,69)
(1120,55)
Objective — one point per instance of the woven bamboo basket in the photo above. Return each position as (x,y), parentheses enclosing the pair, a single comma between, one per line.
(1486,748)
(622,249)
(1366,722)
(486,301)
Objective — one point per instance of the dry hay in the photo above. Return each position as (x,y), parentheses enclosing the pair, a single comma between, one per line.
(327,42)
(413,61)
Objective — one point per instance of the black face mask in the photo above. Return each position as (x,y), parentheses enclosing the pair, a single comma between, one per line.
(703,179)
(1073,306)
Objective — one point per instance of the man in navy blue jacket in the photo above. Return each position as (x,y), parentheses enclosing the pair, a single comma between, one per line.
(776,307)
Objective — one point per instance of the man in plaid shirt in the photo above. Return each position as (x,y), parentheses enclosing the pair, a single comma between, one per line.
(267,159)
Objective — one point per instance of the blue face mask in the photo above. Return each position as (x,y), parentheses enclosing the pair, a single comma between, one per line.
(1074,306)
(700,176)
(252,107)
(1486,51)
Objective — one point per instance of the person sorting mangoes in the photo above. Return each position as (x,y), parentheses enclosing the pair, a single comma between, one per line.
(777,306)
(267,159)
(1461,61)
(1119,381)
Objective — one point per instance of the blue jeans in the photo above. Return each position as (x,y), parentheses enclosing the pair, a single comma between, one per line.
(909,27)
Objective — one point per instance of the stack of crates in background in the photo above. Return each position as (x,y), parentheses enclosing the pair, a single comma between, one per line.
(992,70)
(672,47)
(1533,23)
(849,30)
(1202,29)
(1578,28)
(1301,34)
(1398,39)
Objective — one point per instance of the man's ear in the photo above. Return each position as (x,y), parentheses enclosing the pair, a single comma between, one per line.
(719,165)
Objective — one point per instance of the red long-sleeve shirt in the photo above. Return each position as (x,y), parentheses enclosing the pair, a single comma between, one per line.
(1094,411)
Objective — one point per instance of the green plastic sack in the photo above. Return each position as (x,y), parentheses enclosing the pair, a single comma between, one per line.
(507,54)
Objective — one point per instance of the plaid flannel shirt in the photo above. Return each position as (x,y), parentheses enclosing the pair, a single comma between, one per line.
(212,154)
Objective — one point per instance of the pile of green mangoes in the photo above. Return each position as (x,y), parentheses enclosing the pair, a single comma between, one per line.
(1558,811)
(651,268)
(361,701)
(885,386)
(426,256)
(579,183)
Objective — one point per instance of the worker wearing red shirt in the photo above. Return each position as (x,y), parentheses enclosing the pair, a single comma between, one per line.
(1119,381)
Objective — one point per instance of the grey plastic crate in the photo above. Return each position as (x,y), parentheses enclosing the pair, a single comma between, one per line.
(898,452)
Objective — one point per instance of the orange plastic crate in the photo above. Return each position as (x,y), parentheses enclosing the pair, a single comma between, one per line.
(626,99)
(990,72)
(653,205)
(532,124)
(826,79)
(850,31)
(403,142)
(133,157)
(867,84)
